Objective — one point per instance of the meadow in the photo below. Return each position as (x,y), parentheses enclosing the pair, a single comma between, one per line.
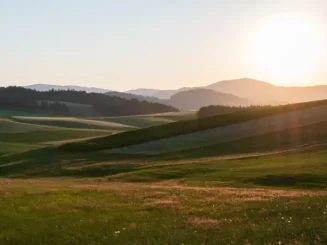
(266,188)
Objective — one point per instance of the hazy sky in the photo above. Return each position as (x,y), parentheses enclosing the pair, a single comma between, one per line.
(121,44)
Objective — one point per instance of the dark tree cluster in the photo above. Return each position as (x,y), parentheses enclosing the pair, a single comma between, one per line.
(53,102)
(213,110)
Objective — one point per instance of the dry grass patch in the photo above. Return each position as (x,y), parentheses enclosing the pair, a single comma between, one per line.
(207,223)
(76,120)
(161,203)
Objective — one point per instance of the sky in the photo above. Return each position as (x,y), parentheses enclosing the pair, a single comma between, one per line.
(167,44)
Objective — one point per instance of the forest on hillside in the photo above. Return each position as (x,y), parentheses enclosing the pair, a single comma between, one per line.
(53,102)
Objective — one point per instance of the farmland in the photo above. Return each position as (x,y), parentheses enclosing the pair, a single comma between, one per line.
(219,180)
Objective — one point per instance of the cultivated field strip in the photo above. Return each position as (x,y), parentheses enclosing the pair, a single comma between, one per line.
(9,126)
(231,132)
(86,122)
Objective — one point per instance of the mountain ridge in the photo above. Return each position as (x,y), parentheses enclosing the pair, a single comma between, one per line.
(256,91)
(42,87)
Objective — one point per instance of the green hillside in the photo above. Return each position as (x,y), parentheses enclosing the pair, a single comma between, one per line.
(184,127)
(144,121)
(71,122)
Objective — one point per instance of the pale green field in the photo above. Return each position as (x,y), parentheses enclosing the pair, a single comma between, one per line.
(71,122)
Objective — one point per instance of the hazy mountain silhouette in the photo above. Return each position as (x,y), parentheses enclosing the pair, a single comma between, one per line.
(265,93)
(158,93)
(246,88)
(254,91)
(191,99)
(47,87)
(258,92)
(194,99)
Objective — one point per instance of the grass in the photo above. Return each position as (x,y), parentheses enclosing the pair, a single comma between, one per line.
(68,122)
(273,141)
(183,127)
(71,212)
(7,113)
(9,148)
(143,121)
(50,135)
(267,189)
(9,126)
(138,121)
(290,170)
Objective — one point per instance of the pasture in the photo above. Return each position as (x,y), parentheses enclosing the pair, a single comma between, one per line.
(143,121)
(264,185)
(47,211)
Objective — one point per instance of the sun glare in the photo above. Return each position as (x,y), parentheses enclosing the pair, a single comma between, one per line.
(287,48)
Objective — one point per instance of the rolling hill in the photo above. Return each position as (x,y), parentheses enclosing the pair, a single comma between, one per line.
(194,99)
(190,99)
(290,114)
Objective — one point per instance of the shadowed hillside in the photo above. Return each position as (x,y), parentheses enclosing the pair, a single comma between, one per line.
(185,127)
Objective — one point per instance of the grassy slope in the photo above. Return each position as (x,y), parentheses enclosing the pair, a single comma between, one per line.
(9,148)
(9,126)
(50,135)
(305,169)
(297,170)
(230,133)
(144,121)
(313,134)
(168,199)
(171,208)
(18,137)
(10,113)
(140,122)
(72,123)
(183,127)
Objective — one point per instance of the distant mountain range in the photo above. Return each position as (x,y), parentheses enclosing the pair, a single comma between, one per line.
(160,94)
(47,87)
(243,91)
(258,92)
(194,99)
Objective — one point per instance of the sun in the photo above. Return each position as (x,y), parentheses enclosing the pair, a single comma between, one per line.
(288,48)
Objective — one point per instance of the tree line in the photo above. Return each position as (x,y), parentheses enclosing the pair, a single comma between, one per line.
(53,102)
(213,110)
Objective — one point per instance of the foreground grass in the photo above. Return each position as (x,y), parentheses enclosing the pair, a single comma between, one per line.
(289,169)
(183,127)
(74,212)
